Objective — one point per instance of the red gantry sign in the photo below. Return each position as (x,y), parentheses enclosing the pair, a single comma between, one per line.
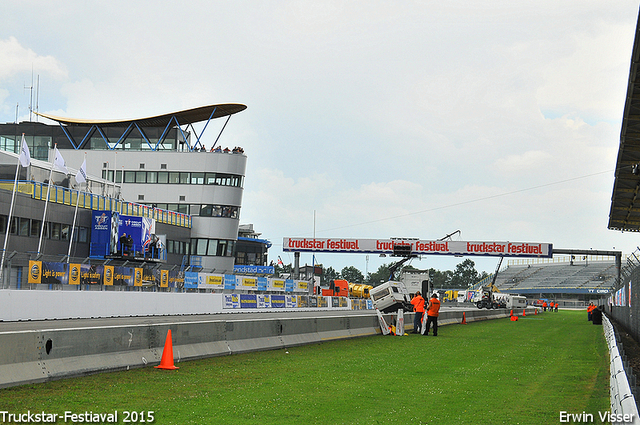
(419,247)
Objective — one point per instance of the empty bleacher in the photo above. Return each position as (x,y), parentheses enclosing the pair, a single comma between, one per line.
(572,275)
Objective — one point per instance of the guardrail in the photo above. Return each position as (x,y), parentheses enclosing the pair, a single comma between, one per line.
(622,400)
(86,200)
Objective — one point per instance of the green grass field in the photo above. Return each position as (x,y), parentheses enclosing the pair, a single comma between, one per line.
(490,372)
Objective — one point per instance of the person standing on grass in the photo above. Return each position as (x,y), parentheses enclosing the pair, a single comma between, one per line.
(433,309)
(418,307)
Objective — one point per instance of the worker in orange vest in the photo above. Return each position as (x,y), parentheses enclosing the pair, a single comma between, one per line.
(590,308)
(544,306)
(418,307)
(433,310)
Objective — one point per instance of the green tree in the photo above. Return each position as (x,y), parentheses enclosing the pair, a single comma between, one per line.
(352,275)
(465,274)
(379,276)
(279,270)
(328,276)
(440,279)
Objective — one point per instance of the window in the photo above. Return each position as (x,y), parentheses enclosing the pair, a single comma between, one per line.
(142,166)
(197,178)
(141,176)
(152,177)
(163,166)
(3,223)
(14,226)
(65,232)
(140,197)
(23,230)
(55,230)
(201,246)
(163,177)
(119,176)
(213,246)
(129,176)
(174,177)
(35,227)
(184,178)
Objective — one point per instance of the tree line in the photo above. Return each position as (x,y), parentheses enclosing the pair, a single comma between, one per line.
(465,274)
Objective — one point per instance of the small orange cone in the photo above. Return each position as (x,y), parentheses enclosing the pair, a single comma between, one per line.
(464,319)
(167,355)
(514,318)
(535,311)
(524,312)
(511,313)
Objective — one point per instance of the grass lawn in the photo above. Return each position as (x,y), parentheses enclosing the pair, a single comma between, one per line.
(490,372)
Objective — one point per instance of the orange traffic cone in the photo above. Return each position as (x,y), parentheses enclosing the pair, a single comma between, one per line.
(514,318)
(511,313)
(535,311)
(464,319)
(524,312)
(167,355)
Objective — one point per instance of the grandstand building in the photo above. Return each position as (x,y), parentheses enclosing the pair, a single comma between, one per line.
(152,167)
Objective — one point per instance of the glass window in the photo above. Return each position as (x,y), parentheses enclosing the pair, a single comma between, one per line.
(183,208)
(213,246)
(3,223)
(222,248)
(82,233)
(24,227)
(184,178)
(119,176)
(65,231)
(129,176)
(231,247)
(163,177)
(174,178)
(197,178)
(152,177)
(206,210)
(170,246)
(161,206)
(201,247)
(14,226)
(55,230)
(210,178)
(141,176)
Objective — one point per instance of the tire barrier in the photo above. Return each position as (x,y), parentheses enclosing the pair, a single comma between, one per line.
(622,400)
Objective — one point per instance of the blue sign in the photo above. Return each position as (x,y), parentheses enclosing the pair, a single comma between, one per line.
(277,301)
(254,269)
(248,301)
(229,281)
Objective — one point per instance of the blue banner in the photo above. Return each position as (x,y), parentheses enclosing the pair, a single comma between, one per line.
(277,301)
(248,301)
(288,285)
(254,269)
(229,281)
(190,280)
(263,282)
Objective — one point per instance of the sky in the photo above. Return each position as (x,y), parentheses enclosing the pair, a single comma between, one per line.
(365,119)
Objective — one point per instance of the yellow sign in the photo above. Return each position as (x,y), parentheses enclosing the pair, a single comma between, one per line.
(108,275)
(277,283)
(164,278)
(74,274)
(215,280)
(249,281)
(137,280)
(35,271)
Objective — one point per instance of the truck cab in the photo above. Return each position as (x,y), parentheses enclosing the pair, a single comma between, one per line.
(390,297)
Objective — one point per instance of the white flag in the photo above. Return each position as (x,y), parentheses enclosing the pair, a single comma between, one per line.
(58,161)
(25,155)
(81,176)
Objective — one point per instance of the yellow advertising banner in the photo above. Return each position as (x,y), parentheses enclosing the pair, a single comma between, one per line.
(108,275)
(164,278)
(137,280)
(35,271)
(303,284)
(249,282)
(277,283)
(74,274)
(215,280)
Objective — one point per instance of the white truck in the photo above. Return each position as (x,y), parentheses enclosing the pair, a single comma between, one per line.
(390,297)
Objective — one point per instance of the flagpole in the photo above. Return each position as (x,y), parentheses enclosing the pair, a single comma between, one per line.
(75,214)
(25,160)
(6,235)
(46,202)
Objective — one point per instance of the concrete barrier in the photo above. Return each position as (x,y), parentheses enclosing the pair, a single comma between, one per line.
(56,349)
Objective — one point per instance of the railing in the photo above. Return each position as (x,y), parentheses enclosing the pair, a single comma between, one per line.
(86,200)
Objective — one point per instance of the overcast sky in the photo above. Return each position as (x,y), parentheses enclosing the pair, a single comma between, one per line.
(497,118)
